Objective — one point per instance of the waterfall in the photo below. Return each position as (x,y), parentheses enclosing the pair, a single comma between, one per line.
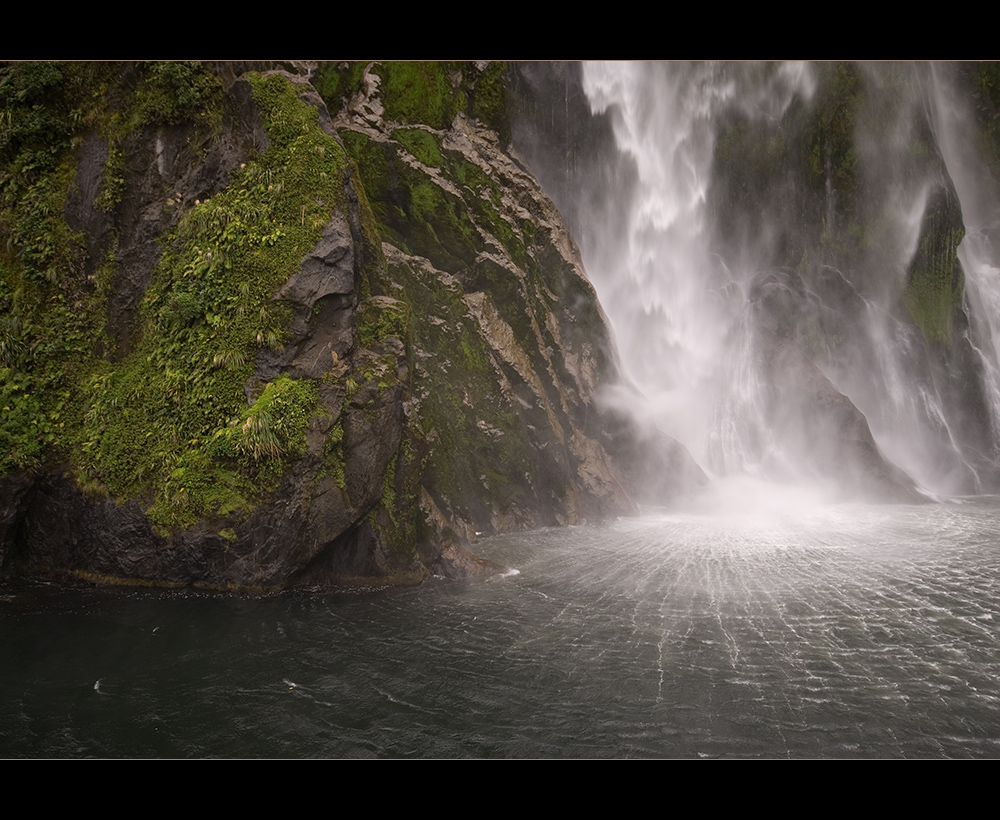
(775,251)
(670,298)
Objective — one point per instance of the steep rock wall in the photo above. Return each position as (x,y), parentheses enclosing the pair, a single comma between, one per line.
(511,347)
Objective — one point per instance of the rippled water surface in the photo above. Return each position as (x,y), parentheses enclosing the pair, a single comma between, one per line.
(803,631)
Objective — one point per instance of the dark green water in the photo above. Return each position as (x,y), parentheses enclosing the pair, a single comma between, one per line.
(792,631)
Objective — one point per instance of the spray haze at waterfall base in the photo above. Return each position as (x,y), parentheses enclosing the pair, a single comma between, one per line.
(796,262)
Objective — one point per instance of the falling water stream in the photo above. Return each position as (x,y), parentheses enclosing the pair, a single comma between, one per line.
(752,619)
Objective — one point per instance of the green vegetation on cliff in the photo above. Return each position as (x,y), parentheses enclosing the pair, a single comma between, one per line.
(491,372)
(981,79)
(47,314)
(53,310)
(935,281)
(425,92)
(169,421)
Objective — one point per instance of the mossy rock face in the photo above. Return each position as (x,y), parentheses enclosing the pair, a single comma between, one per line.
(203,317)
(424,92)
(823,188)
(171,393)
(247,344)
(981,81)
(820,185)
(794,189)
(510,344)
(412,211)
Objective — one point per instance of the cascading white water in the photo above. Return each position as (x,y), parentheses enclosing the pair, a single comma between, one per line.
(673,304)
(664,122)
(914,422)
(666,308)
(680,313)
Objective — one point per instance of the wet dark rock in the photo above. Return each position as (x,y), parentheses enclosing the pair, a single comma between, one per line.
(457,563)
(822,429)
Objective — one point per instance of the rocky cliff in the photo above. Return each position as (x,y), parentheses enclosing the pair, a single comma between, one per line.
(272,325)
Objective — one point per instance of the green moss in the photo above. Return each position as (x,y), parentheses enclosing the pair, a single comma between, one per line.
(466,415)
(421,92)
(25,430)
(48,320)
(489,100)
(935,283)
(208,310)
(114,181)
(389,491)
(930,304)
(379,318)
(411,210)
(415,213)
(198,487)
(273,428)
(175,91)
(423,145)
(462,398)
(53,315)
(169,422)
(397,517)
(333,455)
(425,201)
(338,81)
(934,288)
(35,121)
